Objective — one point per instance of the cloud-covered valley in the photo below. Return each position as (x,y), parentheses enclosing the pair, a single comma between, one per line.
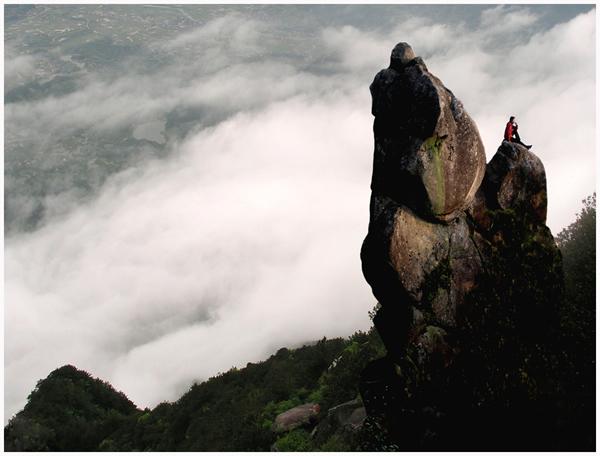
(230,223)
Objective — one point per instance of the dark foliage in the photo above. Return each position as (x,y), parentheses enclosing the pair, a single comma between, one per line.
(69,410)
(578,245)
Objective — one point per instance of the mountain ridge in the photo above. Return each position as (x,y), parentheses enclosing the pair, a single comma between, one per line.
(242,401)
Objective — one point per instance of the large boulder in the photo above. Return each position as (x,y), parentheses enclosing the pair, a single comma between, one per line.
(515,179)
(345,420)
(301,415)
(428,152)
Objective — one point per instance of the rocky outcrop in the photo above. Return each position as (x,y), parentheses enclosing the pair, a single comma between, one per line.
(342,423)
(301,415)
(515,179)
(428,153)
(461,261)
(429,162)
(346,417)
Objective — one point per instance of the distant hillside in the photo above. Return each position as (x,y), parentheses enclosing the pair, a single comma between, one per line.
(233,411)
(67,411)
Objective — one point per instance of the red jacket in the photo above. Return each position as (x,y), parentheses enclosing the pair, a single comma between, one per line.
(508,131)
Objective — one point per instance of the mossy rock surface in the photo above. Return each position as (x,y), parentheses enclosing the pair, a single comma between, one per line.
(428,152)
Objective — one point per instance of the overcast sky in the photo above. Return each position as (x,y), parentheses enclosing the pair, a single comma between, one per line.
(243,236)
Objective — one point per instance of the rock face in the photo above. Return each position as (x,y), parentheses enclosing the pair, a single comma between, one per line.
(296,417)
(461,261)
(429,162)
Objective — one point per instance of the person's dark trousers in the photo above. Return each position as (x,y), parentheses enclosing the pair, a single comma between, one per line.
(517,139)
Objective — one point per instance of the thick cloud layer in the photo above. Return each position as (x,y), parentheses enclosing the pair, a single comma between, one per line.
(245,235)
(247,241)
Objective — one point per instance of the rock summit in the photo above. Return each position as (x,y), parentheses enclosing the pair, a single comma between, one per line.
(460,260)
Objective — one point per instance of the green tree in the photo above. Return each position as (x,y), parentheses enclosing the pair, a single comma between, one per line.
(69,410)
(577,243)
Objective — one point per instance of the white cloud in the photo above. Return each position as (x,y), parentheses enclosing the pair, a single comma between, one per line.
(18,69)
(504,20)
(211,257)
(355,49)
(233,35)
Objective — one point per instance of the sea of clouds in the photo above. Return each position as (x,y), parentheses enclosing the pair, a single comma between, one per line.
(246,237)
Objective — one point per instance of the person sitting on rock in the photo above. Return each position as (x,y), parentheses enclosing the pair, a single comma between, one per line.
(511,132)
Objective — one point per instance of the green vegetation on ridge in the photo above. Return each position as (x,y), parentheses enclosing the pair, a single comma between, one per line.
(233,411)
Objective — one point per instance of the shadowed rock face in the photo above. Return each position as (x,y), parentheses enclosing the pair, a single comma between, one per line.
(344,419)
(515,179)
(460,259)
